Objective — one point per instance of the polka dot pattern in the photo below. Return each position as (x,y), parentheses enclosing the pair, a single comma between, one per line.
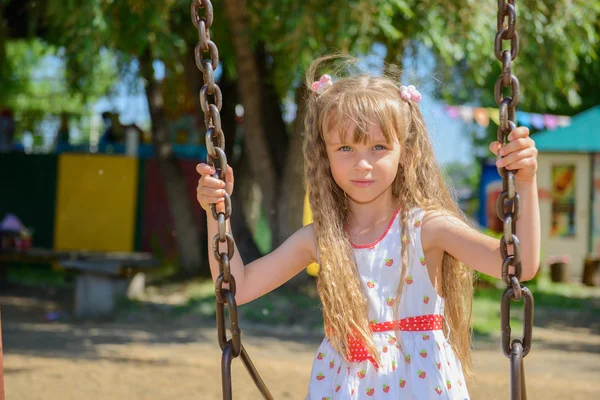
(358,351)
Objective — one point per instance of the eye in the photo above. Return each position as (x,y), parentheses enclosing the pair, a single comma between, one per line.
(380,147)
(345,148)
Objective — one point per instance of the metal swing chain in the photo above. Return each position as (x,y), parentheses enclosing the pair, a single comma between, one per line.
(508,206)
(215,144)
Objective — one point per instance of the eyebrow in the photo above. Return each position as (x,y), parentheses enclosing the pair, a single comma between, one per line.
(381,141)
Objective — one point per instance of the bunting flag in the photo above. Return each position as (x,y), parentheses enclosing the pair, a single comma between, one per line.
(524,118)
(537,121)
(452,111)
(482,117)
(494,115)
(564,121)
(466,114)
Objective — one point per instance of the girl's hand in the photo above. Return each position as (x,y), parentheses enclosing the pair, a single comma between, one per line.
(212,190)
(519,155)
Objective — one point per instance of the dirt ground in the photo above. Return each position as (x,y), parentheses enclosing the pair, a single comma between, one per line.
(151,356)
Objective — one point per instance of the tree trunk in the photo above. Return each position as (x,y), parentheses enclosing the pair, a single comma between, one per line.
(194,77)
(187,238)
(239,226)
(393,61)
(278,143)
(249,87)
(276,136)
(292,188)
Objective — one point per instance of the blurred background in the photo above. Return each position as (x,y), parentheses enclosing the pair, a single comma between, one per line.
(105,289)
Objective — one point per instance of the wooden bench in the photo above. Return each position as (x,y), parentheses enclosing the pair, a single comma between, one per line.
(101,278)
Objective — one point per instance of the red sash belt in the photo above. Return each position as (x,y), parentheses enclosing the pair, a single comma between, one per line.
(358,352)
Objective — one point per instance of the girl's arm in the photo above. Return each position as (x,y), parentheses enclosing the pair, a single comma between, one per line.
(269,272)
(482,252)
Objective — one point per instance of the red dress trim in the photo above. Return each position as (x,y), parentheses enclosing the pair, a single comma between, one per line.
(372,245)
(357,351)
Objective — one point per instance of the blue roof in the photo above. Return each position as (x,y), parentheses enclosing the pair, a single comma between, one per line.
(582,136)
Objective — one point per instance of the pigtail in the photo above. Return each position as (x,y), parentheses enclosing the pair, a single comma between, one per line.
(344,303)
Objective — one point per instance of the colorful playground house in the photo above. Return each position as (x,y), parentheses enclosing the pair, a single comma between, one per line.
(96,202)
(568,180)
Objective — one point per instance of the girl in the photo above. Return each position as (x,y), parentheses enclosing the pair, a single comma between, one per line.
(390,241)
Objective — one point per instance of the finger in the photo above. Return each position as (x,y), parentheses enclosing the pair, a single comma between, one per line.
(212,192)
(211,182)
(517,144)
(205,169)
(514,157)
(209,200)
(522,164)
(520,132)
(494,147)
(206,193)
(213,200)
(229,174)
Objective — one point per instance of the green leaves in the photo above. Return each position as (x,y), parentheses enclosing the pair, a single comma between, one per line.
(36,85)
(556,39)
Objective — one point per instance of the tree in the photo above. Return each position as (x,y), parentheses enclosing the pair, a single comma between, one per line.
(22,58)
(33,97)
(265,46)
(548,83)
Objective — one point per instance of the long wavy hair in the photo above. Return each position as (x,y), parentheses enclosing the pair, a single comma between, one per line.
(358,99)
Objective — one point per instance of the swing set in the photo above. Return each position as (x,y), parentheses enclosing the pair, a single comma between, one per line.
(507,207)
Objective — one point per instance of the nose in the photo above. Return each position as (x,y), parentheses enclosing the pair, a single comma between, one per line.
(362,164)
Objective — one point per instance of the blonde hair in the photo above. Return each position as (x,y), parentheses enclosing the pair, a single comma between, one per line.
(359,99)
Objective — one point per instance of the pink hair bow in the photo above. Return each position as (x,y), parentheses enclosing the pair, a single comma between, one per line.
(410,93)
(322,84)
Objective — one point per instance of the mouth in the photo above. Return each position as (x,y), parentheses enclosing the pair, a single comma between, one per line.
(362,182)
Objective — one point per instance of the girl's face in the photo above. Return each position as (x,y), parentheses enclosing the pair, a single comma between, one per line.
(364,171)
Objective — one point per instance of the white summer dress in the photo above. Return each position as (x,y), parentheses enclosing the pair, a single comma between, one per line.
(429,368)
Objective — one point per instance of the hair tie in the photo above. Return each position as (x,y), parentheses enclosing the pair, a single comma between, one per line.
(410,93)
(322,84)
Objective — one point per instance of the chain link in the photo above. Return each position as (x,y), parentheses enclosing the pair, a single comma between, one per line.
(211,101)
(508,206)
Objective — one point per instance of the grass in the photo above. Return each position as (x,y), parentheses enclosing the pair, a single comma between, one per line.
(280,307)
(262,233)
(547,295)
(38,275)
(284,307)
(486,312)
